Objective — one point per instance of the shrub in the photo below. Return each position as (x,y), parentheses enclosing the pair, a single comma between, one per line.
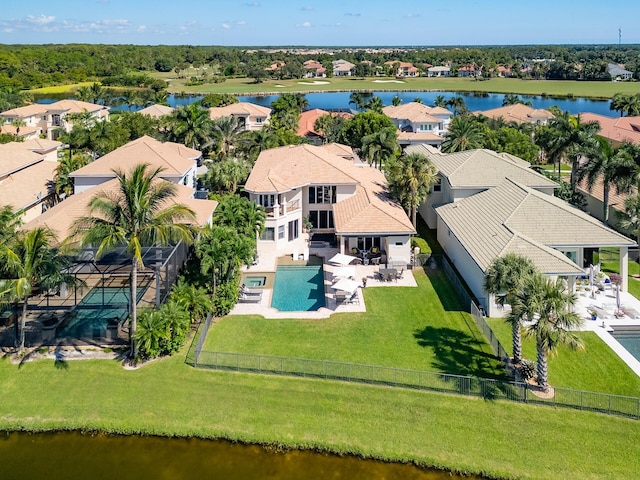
(163,331)
(420,243)
(527,369)
(225,299)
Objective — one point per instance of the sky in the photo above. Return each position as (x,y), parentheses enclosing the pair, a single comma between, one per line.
(319,22)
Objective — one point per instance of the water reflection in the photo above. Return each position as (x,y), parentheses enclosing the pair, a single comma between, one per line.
(67,455)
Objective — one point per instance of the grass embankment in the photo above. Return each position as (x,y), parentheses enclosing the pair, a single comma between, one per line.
(595,369)
(59,89)
(168,397)
(559,88)
(420,328)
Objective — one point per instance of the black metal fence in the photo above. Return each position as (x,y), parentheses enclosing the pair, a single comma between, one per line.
(416,379)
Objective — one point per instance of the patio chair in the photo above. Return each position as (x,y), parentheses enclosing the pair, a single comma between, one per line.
(375,261)
(249,291)
(399,274)
(355,251)
(340,298)
(250,298)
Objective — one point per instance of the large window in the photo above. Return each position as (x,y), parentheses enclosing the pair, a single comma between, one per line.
(366,243)
(294,229)
(267,200)
(281,232)
(322,194)
(321,219)
(268,234)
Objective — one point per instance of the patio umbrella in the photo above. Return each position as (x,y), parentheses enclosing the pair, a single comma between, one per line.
(344,272)
(346,285)
(591,275)
(342,259)
(618,296)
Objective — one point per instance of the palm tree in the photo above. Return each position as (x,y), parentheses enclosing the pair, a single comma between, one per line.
(134,217)
(30,261)
(512,99)
(226,131)
(631,218)
(375,104)
(458,105)
(410,178)
(67,165)
(358,99)
(10,221)
(505,278)
(192,299)
(17,124)
(191,126)
(418,100)
(396,100)
(546,304)
(465,133)
(626,104)
(615,166)
(440,101)
(381,146)
(251,143)
(225,175)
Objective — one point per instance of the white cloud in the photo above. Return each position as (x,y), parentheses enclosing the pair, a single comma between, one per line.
(226,26)
(241,22)
(253,4)
(142,28)
(41,20)
(304,24)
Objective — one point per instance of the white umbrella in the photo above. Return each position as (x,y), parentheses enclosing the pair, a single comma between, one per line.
(618,296)
(342,259)
(591,274)
(346,285)
(344,272)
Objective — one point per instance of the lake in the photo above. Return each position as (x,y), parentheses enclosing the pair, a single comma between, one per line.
(340,100)
(66,455)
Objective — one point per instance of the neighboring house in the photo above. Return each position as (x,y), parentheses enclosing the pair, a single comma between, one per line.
(274,67)
(338,196)
(615,129)
(178,162)
(314,69)
(468,71)
(504,72)
(307,121)
(518,113)
(27,171)
(618,73)
(49,120)
(60,218)
(250,116)
(157,111)
(513,218)
(464,174)
(418,118)
(419,138)
(595,202)
(439,71)
(403,69)
(342,68)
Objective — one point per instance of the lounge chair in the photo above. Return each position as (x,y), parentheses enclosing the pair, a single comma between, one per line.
(249,291)
(250,298)
(375,261)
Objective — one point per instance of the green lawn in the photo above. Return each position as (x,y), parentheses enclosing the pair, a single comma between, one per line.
(610,261)
(168,397)
(596,368)
(494,85)
(420,328)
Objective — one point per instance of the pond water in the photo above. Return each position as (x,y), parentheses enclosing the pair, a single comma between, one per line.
(340,100)
(66,455)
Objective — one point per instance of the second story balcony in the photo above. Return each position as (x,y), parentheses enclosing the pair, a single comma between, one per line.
(277,211)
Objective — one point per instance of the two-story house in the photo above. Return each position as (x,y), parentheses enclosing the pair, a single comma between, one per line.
(250,116)
(337,195)
(414,117)
(342,68)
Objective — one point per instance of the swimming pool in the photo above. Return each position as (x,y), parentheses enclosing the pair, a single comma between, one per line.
(99,307)
(254,281)
(629,338)
(298,288)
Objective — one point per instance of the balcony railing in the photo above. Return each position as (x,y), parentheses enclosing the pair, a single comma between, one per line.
(278,211)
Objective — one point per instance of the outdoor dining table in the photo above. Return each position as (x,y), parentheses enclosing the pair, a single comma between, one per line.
(388,273)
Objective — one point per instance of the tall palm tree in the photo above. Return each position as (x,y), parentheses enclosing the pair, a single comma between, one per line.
(226,131)
(505,278)
(137,215)
(546,304)
(251,143)
(614,166)
(440,101)
(396,100)
(191,126)
(631,217)
(375,104)
(192,299)
(458,105)
(410,178)
(465,133)
(67,165)
(18,123)
(380,147)
(31,261)
(10,221)
(358,100)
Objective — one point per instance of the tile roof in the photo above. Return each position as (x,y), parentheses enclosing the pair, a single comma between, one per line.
(75,106)
(174,158)
(483,168)
(307,120)
(514,218)
(414,112)
(241,109)
(26,111)
(370,210)
(14,156)
(28,185)
(518,113)
(419,137)
(41,144)
(60,217)
(616,200)
(157,111)
(618,129)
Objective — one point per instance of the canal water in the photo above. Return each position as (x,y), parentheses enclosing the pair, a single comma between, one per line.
(65,455)
(340,100)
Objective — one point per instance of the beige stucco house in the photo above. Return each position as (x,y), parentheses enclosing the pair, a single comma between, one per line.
(518,113)
(179,163)
(48,120)
(342,68)
(339,196)
(249,115)
(414,117)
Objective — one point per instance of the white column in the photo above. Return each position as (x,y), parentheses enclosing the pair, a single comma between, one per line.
(624,268)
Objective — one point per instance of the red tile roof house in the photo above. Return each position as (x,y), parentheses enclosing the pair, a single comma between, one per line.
(307,121)
(339,195)
(314,69)
(49,120)
(404,69)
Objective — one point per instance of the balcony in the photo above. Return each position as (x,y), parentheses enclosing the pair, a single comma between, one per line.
(280,210)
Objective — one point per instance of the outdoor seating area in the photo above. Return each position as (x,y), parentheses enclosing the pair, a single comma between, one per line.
(372,256)
(250,295)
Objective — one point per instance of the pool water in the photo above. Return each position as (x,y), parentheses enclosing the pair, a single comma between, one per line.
(298,288)
(630,340)
(256,281)
(101,305)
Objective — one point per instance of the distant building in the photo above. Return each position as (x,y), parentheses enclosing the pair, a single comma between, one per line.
(157,111)
(618,73)
(518,113)
(342,68)
(616,130)
(414,117)
(439,71)
(249,115)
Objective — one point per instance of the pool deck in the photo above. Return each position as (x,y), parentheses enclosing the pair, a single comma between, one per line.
(268,263)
